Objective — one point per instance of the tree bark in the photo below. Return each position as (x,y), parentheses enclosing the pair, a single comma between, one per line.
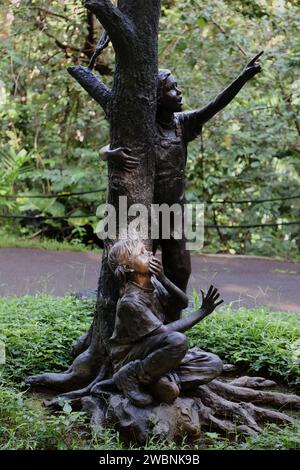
(131,110)
(132,114)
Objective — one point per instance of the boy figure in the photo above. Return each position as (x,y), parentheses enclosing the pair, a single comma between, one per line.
(151,358)
(175,129)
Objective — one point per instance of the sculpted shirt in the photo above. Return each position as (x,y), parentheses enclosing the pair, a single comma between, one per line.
(139,314)
(171,156)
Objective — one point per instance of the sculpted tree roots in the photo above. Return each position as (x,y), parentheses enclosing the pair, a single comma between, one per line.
(237,409)
(218,406)
(241,406)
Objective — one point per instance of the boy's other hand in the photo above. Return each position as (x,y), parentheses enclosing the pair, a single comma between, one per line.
(209,301)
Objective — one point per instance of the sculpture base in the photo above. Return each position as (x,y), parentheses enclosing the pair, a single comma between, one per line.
(239,406)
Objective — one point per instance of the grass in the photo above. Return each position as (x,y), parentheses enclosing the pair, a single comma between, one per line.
(14,241)
(283,271)
(39,330)
(44,328)
(259,341)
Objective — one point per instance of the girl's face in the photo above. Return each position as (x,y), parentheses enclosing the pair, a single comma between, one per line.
(171,98)
(140,261)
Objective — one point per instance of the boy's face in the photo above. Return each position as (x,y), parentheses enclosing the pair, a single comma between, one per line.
(140,262)
(171,98)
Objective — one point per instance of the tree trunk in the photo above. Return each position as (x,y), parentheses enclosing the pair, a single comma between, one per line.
(131,110)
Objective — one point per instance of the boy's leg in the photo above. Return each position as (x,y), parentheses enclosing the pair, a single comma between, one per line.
(197,368)
(176,261)
(148,361)
(163,355)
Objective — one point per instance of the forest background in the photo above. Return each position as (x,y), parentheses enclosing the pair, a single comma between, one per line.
(245,166)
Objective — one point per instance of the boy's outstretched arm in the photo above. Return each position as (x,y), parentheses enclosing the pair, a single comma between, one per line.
(202,115)
(210,302)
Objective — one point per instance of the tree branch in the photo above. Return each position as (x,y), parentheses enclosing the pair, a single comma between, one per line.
(88,47)
(118,26)
(102,68)
(95,88)
(288,103)
(227,35)
(52,13)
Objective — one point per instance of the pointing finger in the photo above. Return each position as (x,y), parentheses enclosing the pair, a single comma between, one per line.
(256,57)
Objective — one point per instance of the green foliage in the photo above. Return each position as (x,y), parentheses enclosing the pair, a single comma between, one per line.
(274,439)
(260,341)
(271,438)
(44,113)
(12,166)
(25,425)
(39,332)
(250,151)
(11,240)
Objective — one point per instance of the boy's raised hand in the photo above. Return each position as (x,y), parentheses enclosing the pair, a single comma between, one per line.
(253,67)
(155,267)
(210,300)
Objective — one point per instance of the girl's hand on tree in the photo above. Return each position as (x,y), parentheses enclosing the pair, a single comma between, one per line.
(122,157)
(209,301)
(155,268)
(253,67)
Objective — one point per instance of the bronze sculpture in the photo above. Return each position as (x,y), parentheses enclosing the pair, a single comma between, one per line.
(146,348)
(133,114)
(175,129)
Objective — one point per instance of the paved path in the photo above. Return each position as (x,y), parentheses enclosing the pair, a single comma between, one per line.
(243,281)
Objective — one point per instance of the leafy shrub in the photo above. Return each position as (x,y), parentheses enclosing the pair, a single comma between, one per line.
(259,340)
(39,332)
(26,425)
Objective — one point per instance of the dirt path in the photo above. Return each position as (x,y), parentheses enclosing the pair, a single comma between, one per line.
(243,281)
